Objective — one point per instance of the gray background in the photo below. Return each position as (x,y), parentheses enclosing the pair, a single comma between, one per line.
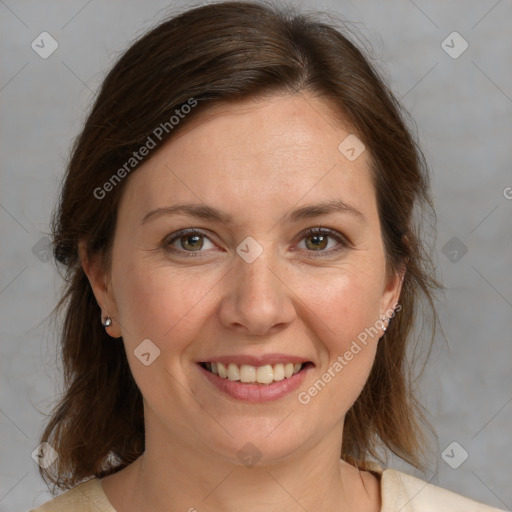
(462,107)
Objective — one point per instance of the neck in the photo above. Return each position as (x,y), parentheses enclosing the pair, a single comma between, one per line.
(174,476)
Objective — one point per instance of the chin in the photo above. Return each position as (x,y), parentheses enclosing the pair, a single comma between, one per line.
(260,441)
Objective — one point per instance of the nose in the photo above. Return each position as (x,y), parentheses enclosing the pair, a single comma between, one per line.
(257,301)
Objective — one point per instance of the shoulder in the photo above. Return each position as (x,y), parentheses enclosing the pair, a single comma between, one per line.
(400,491)
(85,497)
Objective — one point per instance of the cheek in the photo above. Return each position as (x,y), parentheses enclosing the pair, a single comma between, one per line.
(345,307)
(162,305)
(346,300)
(348,344)
(156,301)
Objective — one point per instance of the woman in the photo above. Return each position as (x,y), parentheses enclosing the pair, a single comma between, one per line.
(243,273)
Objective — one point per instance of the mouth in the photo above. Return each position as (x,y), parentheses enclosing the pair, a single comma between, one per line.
(266,374)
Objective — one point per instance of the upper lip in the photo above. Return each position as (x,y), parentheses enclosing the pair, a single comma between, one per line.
(270,359)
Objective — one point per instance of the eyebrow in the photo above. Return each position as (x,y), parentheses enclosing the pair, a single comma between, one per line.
(205,212)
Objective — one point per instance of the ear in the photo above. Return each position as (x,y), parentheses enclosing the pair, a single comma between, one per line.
(391,294)
(101,287)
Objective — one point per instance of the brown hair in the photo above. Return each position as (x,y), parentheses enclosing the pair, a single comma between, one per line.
(215,53)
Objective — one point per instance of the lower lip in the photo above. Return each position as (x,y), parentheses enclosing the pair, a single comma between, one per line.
(256,393)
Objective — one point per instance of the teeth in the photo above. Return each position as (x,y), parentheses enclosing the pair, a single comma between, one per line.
(223,372)
(233,372)
(278,371)
(265,374)
(247,373)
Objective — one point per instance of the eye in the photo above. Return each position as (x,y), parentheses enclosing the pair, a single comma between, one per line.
(317,240)
(188,240)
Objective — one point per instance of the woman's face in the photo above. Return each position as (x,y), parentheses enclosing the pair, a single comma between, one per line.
(249,286)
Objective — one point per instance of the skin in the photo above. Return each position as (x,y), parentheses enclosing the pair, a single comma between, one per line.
(257,161)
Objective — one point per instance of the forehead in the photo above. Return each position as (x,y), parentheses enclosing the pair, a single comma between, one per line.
(272,130)
(282,148)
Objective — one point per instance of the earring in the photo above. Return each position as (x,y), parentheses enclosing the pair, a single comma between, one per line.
(107,322)
(384,318)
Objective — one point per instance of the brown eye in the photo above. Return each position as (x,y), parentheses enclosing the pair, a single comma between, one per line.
(318,242)
(189,241)
(324,242)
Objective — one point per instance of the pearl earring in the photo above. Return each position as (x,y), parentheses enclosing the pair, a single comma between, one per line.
(384,318)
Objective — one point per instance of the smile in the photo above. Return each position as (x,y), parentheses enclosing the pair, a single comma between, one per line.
(246,373)
(255,379)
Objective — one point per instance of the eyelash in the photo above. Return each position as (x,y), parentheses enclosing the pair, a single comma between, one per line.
(344,243)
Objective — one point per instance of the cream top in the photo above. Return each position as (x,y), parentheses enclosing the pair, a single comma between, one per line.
(400,492)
